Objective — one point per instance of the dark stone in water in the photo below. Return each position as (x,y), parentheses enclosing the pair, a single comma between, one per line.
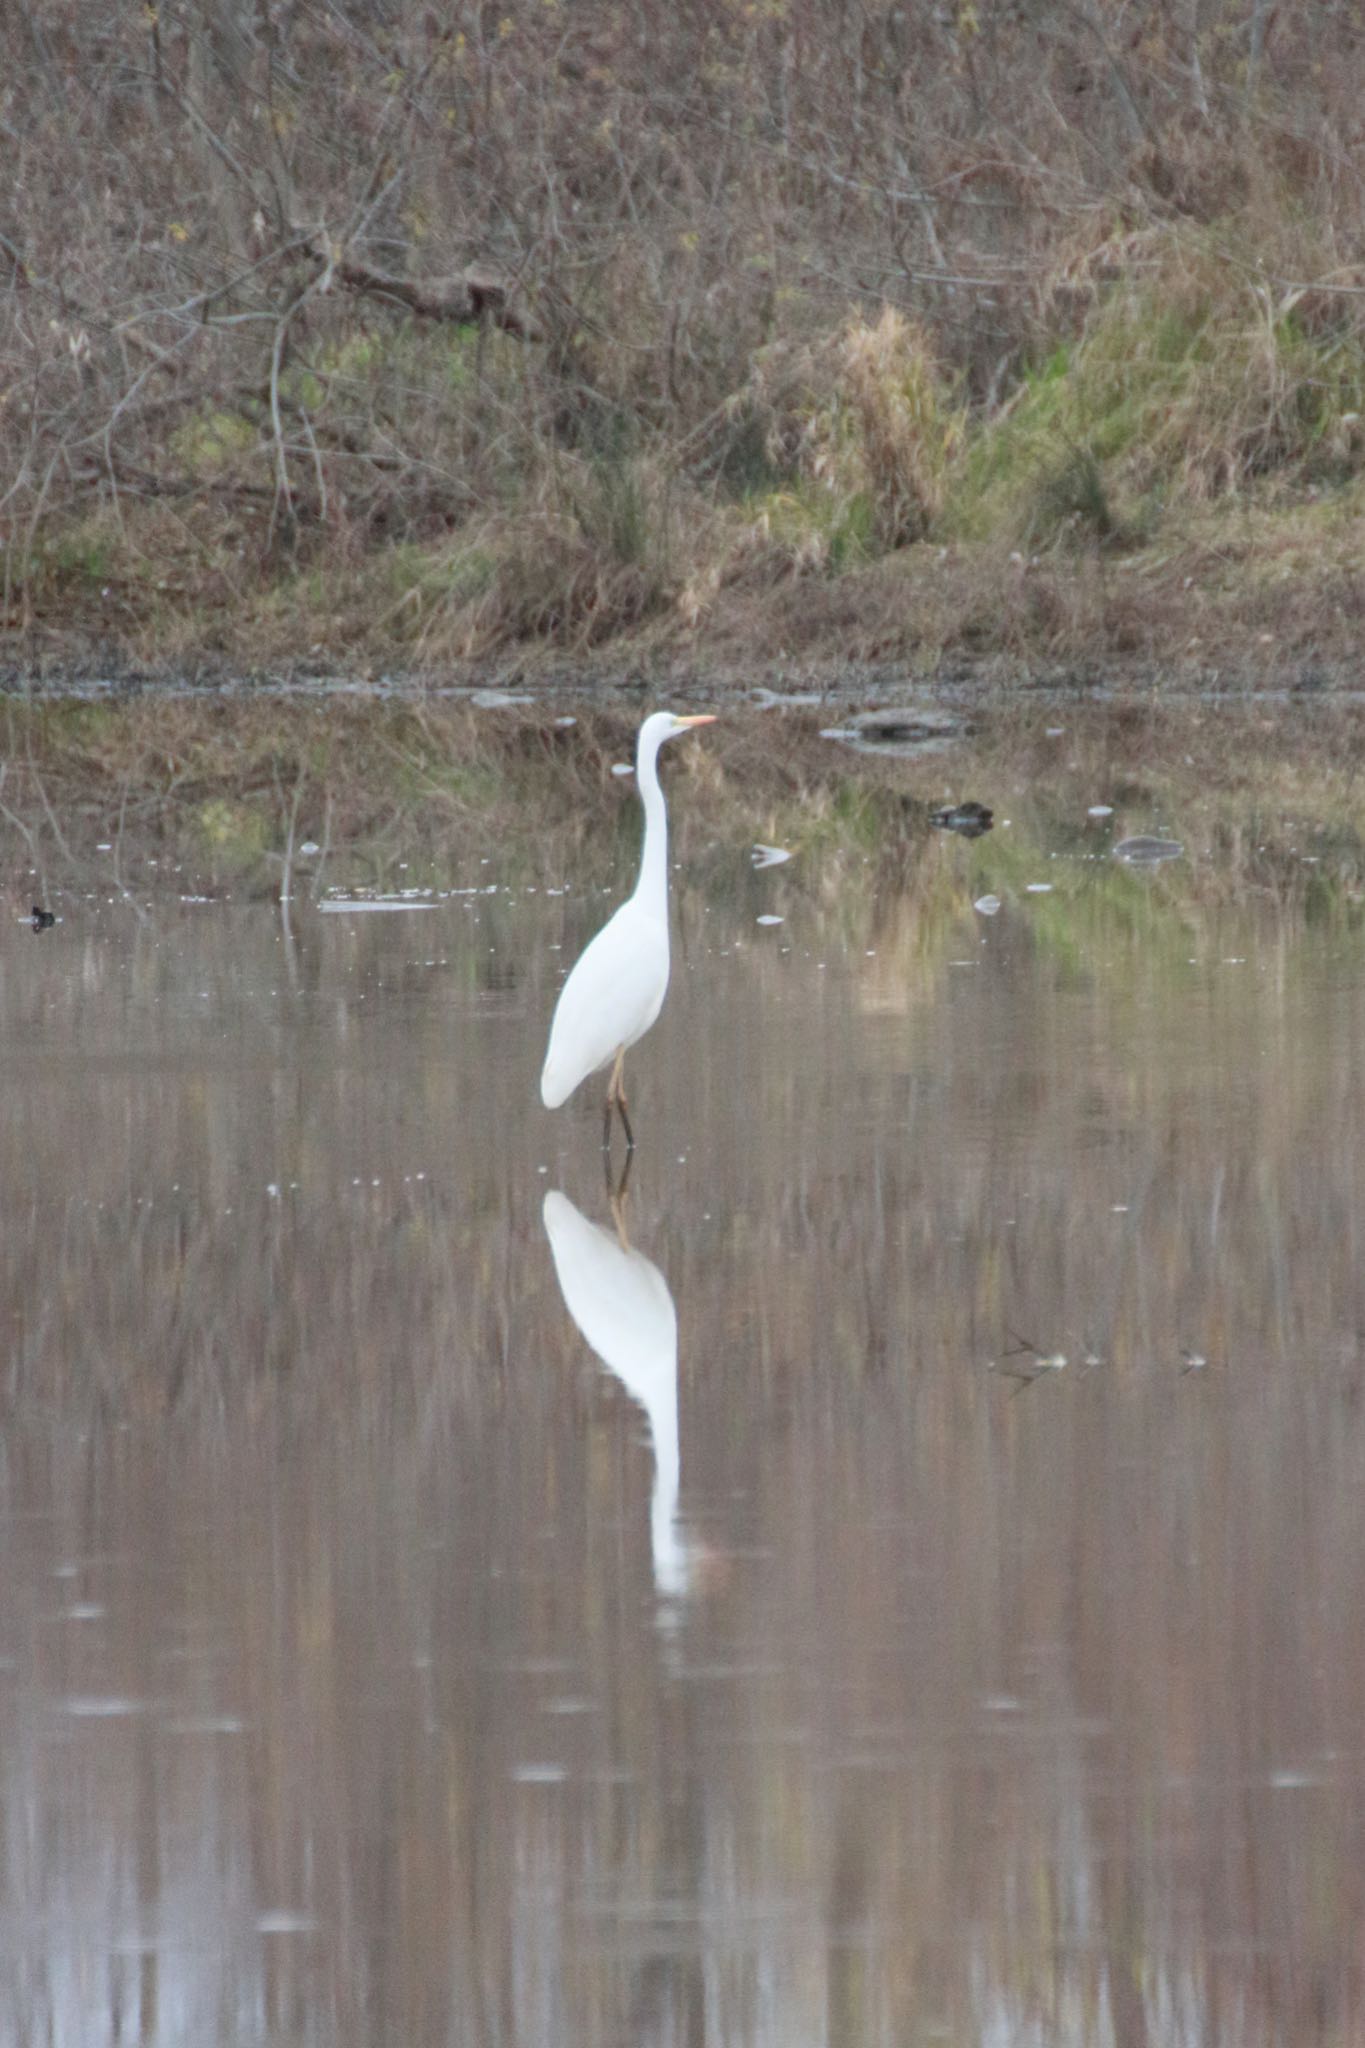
(901,729)
(970,819)
(908,724)
(42,920)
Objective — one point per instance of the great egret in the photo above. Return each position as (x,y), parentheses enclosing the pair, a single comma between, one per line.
(620,1301)
(618,984)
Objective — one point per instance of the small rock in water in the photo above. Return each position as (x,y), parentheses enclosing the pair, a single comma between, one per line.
(1144,851)
(770,856)
(971,819)
(900,729)
(906,722)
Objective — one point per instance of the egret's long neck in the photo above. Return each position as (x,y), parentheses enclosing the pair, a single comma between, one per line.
(651,891)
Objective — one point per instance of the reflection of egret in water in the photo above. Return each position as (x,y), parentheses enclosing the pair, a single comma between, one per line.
(620,1301)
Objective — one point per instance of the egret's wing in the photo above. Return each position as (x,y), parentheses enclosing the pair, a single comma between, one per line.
(611,998)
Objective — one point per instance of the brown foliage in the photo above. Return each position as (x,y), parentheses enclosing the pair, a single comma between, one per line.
(392,261)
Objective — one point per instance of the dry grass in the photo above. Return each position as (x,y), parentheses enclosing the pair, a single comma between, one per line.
(557,335)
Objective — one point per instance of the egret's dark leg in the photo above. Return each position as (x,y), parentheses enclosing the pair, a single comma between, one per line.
(618,1083)
(616,1199)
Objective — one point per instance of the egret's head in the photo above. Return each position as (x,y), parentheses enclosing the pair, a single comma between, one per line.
(666,725)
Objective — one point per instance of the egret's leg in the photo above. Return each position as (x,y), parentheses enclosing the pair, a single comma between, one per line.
(618,1096)
(616,1200)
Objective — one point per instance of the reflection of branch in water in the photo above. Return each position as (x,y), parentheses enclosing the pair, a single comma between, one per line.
(1025,1363)
(621,1302)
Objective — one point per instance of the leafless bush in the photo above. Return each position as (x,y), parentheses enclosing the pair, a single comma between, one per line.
(313,275)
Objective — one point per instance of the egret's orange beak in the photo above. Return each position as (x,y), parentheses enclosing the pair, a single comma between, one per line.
(701,718)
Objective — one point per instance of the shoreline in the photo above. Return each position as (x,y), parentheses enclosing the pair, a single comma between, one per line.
(86,674)
(1238,600)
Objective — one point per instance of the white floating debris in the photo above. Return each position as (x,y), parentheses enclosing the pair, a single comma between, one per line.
(622,768)
(987,905)
(539,1774)
(1038,888)
(1100,811)
(105,846)
(769,917)
(566,721)
(309,848)
(339,904)
(770,856)
(282,1922)
(86,1707)
(1054,732)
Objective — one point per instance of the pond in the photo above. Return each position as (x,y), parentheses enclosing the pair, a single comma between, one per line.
(893,1576)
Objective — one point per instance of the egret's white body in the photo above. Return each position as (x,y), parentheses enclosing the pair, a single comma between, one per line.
(614,994)
(621,1303)
(618,984)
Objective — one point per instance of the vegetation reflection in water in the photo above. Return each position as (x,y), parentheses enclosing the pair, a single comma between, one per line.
(334,1700)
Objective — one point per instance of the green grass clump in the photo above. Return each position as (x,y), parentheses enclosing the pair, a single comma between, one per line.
(1191,379)
(866,419)
(212,443)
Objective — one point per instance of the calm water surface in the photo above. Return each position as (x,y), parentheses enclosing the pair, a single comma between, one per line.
(437,1609)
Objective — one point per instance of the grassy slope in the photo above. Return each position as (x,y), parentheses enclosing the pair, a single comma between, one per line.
(1176,488)
(1271,594)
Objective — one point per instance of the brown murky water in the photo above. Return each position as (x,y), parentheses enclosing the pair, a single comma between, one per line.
(808,1662)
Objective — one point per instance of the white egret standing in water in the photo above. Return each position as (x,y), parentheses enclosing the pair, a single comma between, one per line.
(620,1301)
(618,984)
